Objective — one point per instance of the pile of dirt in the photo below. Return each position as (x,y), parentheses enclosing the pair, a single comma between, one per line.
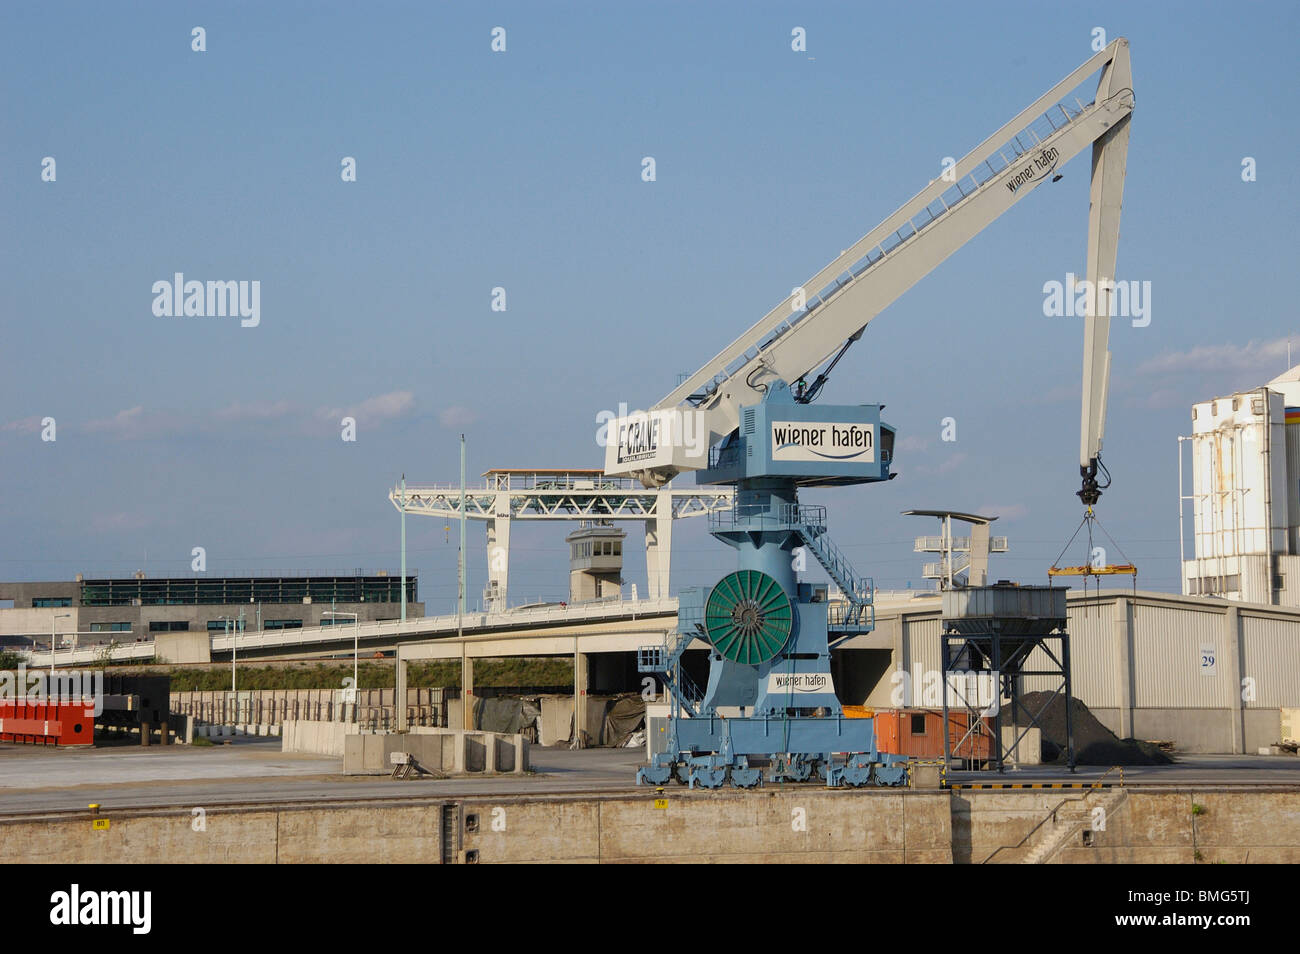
(1094,744)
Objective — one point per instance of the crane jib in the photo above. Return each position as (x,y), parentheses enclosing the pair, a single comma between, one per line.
(813,324)
(1039,165)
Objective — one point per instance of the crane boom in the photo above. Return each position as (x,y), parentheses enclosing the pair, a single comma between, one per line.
(822,317)
(1109,157)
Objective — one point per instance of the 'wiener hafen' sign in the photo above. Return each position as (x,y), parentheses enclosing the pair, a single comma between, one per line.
(813,441)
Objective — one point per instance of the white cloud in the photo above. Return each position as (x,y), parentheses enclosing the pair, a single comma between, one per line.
(122,421)
(946,466)
(1005,511)
(25,425)
(913,444)
(1264,357)
(392,404)
(456,417)
(373,410)
(255,411)
(135,423)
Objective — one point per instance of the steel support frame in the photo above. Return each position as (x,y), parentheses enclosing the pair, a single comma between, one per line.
(958,647)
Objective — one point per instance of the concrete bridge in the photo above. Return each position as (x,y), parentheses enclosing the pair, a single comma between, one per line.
(607,618)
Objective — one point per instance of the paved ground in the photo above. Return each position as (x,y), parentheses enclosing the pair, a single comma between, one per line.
(49,779)
(1188,770)
(36,779)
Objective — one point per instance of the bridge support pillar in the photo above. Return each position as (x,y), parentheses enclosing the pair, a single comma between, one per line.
(580,670)
(399,695)
(466,690)
(498,555)
(659,547)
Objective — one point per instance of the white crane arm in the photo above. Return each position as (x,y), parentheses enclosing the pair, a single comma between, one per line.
(1109,158)
(797,337)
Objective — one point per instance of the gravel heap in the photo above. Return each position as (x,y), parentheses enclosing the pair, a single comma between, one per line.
(1094,744)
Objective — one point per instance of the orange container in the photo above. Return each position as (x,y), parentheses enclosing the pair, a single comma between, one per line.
(46,723)
(918,733)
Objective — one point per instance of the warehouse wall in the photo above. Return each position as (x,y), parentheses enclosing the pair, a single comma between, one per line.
(1207,674)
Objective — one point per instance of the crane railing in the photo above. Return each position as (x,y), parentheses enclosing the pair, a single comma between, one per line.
(988,168)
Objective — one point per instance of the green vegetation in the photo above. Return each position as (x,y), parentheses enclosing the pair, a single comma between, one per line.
(316,676)
(515,671)
(1198,809)
(202,740)
(534,672)
(546,672)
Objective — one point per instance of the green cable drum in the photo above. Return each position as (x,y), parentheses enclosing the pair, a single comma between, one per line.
(748,617)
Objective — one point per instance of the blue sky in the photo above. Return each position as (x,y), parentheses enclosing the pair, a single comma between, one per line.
(522,169)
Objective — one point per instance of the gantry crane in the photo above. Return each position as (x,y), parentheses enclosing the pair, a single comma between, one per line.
(747,418)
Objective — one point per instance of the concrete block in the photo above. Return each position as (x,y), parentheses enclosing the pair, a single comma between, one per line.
(475,758)
(374,753)
(183,648)
(351,754)
(1030,750)
(1289,719)
(921,775)
(316,738)
(448,750)
(185,727)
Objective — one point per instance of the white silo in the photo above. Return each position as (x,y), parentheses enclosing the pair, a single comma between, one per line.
(1245,498)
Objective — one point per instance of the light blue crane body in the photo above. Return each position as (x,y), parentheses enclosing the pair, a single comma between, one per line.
(770,695)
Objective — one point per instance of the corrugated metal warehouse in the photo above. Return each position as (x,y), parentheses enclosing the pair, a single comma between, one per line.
(1207,674)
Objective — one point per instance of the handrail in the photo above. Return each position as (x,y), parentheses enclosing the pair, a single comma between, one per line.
(989,165)
(1052,815)
(760,515)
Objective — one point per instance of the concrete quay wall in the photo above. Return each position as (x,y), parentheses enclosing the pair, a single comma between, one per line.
(793,825)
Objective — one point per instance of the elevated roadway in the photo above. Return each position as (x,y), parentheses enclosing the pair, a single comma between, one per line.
(608,618)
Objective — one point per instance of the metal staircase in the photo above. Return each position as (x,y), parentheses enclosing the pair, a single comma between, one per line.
(859,591)
(664,661)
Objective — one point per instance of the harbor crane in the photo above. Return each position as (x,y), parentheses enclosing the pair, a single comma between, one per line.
(747,418)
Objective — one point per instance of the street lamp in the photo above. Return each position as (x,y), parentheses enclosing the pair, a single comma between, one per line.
(234,647)
(53,623)
(356,647)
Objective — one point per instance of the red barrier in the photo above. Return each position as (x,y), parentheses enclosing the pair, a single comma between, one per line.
(45,723)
